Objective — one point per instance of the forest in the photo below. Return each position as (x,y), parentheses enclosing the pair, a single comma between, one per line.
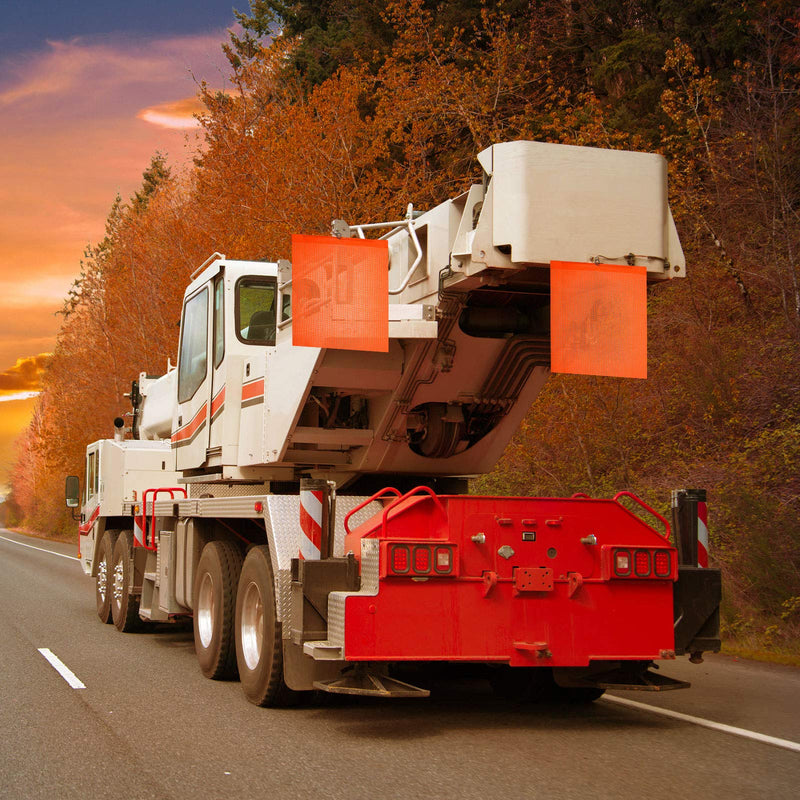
(342,109)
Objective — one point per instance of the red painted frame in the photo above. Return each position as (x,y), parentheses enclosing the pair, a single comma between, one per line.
(483,613)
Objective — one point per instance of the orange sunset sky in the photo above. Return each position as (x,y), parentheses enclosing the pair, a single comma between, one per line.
(88,93)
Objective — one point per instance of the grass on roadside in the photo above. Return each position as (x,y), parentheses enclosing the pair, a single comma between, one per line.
(788,657)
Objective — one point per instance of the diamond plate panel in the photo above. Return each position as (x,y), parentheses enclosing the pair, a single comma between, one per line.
(370,572)
(336,618)
(344,505)
(224,490)
(282,523)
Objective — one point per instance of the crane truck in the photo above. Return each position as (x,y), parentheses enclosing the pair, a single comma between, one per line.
(298,484)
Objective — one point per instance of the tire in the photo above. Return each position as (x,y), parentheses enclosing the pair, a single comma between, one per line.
(124,605)
(514,684)
(214,599)
(579,695)
(259,646)
(102,589)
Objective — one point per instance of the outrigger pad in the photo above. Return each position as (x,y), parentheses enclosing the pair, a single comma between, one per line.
(647,681)
(371,685)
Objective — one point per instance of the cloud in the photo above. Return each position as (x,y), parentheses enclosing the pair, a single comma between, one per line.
(24,378)
(36,291)
(9,398)
(74,139)
(180,115)
(85,70)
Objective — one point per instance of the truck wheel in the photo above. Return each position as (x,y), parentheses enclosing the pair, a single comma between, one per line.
(259,647)
(537,685)
(517,684)
(102,589)
(124,605)
(214,608)
(579,695)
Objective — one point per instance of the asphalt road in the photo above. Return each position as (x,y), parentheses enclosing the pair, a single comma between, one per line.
(148,725)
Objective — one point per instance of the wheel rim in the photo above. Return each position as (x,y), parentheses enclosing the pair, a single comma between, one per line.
(252,625)
(119,577)
(102,579)
(206,603)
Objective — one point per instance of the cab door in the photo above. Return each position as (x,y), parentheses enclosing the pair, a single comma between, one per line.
(218,372)
(88,529)
(190,427)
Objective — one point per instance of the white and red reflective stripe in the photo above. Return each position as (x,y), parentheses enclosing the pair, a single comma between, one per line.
(253,392)
(310,523)
(185,434)
(217,403)
(85,528)
(138,534)
(702,535)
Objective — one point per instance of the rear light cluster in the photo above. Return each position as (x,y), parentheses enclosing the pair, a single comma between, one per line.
(635,562)
(415,559)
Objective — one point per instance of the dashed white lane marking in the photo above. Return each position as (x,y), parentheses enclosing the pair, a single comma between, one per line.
(707,723)
(40,549)
(62,669)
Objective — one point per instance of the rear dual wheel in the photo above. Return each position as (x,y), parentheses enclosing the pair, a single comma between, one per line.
(259,645)
(124,604)
(102,591)
(215,607)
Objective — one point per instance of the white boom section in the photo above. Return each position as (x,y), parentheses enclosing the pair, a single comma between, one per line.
(468,331)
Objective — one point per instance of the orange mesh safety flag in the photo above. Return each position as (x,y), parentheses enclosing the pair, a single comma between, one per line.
(598,319)
(340,293)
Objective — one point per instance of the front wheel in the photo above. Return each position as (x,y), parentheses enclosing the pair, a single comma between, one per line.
(103,588)
(259,647)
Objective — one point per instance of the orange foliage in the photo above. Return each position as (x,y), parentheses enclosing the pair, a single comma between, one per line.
(721,407)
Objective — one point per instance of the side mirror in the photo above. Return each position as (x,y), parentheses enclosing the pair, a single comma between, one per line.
(72,491)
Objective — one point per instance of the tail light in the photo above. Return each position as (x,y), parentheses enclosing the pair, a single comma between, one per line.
(413,559)
(662,563)
(639,562)
(622,563)
(443,560)
(401,559)
(422,560)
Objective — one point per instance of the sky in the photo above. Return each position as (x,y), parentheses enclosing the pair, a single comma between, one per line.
(89,92)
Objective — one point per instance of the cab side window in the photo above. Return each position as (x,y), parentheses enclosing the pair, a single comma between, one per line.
(219,321)
(194,346)
(92,475)
(255,310)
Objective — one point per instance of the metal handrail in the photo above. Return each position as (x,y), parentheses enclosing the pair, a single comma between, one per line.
(407,222)
(282,323)
(213,257)
(647,508)
(426,489)
(155,492)
(369,500)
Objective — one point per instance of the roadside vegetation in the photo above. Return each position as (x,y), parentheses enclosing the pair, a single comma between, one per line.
(352,112)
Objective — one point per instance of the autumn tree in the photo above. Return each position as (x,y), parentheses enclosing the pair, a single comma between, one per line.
(349,110)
